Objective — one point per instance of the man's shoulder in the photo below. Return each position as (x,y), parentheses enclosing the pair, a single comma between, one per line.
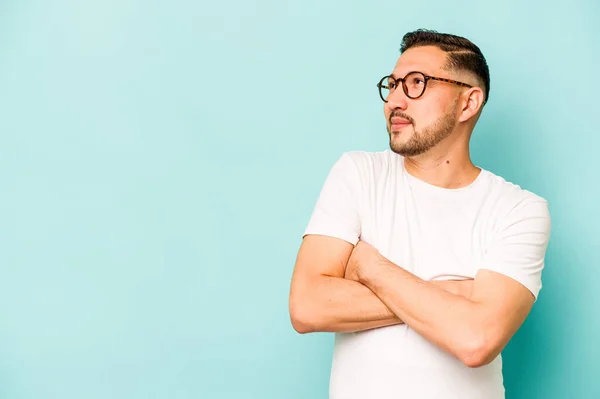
(512,197)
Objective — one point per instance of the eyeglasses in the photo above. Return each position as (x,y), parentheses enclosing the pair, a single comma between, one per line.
(413,84)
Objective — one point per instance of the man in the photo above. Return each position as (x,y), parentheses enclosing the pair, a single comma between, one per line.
(394,232)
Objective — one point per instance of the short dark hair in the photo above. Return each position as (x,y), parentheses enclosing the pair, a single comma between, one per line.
(462,53)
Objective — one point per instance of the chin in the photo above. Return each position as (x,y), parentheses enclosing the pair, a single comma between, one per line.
(400,137)
(397,146)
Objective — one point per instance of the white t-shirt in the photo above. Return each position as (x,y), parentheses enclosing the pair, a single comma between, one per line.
(434,233)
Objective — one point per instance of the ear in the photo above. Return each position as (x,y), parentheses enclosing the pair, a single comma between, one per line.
(471,102)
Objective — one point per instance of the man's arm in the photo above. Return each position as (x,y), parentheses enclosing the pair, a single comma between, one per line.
(322,300)
(474,329)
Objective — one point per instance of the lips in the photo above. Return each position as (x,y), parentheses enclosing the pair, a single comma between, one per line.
(400,121)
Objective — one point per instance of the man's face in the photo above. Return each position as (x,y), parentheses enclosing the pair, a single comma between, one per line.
(417,125)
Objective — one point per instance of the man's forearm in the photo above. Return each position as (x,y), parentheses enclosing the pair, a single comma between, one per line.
(334,304)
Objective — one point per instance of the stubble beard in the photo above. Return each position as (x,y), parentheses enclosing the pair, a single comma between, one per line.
(424,139)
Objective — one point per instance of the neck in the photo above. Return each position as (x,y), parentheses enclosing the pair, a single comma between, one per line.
(448,165)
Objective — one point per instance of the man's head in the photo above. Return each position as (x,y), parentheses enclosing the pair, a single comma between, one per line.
(443,99)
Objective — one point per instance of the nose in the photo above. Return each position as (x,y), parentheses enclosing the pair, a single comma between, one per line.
(397,99)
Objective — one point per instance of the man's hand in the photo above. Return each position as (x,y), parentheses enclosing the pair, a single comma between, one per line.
(363,257)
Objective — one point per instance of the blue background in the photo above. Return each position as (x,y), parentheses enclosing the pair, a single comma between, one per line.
(159,162)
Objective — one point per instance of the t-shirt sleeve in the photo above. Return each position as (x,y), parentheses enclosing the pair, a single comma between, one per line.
(336,212)
(519,248)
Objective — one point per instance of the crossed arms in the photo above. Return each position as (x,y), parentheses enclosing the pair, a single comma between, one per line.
(338,287)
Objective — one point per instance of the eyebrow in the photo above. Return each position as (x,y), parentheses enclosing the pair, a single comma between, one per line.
(412,70)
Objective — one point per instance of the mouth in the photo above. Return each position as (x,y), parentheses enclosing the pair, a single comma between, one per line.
(399,123)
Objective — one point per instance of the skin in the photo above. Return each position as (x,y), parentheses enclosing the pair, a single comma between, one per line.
(444,160)
(340,287)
